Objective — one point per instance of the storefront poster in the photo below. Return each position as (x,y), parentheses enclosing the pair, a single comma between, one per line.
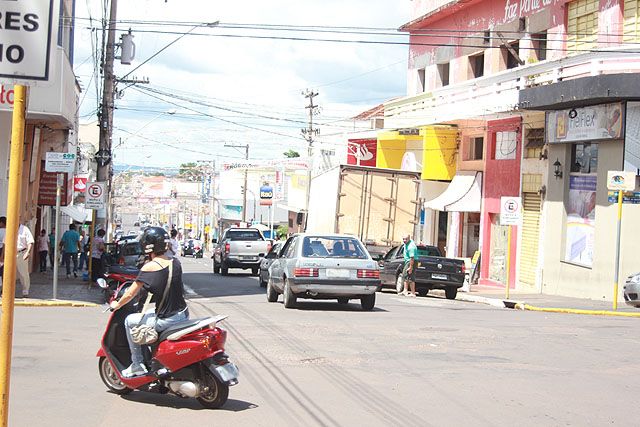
(632,138)
(581,219)
(595,122)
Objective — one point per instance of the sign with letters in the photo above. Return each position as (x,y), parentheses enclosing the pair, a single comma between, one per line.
(596,122)
(25,39)
(266,195)
(510,211)
(60,162)
(95,195)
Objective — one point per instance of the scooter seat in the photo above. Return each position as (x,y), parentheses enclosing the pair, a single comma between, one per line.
(184,324)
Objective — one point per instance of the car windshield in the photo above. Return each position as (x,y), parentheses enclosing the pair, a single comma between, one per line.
(428,251)
(332,247)
(133,248)
(246,235)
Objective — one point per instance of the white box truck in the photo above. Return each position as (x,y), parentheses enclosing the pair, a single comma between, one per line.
(379,206)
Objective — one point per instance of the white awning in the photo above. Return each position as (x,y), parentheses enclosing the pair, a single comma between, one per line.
(464,194)
(77,213)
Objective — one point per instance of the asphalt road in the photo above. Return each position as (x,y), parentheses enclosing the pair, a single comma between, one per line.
(410,362)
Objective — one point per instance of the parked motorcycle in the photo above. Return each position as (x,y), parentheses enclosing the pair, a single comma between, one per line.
(187,360)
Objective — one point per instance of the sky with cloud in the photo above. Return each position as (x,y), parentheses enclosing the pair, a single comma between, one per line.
(214,86)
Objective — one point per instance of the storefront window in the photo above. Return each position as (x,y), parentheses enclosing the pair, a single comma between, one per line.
(584,158)
(581,206)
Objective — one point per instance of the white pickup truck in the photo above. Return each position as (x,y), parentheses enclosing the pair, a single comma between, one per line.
(240,248)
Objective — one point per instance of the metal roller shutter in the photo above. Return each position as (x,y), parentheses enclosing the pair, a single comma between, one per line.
(532,203)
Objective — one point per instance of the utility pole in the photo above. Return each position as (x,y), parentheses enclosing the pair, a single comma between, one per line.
(105,116)
(244,192)
(309,133)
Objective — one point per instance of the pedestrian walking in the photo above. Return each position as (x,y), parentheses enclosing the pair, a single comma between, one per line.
(174,245)
(52,247)
(70,245)
(24,246)
(83,263)
(409,271)
(96,256)
(43,250)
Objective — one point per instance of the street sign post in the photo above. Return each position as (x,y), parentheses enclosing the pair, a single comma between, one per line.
(621,181)
(510,214)
(26,35)
(94,197)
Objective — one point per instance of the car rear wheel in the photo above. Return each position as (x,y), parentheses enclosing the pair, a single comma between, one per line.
(399,284)
(216,267)
(423,292)
(343,300)
(451,293)
(368,302)
(289,297)
(272,295)
(224,270)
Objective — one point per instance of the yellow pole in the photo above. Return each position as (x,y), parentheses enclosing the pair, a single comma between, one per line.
(508,266)
(92,231)
(617,271)
(10,246)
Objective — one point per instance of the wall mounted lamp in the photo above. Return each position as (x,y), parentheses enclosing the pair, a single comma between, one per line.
(557,169)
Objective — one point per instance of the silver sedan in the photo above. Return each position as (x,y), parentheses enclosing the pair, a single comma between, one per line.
(324,267)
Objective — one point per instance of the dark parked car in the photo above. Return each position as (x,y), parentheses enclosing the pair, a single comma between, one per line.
(130,253)
(267,261)
(192,247)
(433,271)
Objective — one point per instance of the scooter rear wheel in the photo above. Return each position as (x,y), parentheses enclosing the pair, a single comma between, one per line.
(217,392)
(110,377)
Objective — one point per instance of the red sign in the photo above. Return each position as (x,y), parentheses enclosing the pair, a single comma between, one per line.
(362,152)
(47,189)
(79,184)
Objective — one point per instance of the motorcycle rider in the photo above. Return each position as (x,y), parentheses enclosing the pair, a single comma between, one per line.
(153,278)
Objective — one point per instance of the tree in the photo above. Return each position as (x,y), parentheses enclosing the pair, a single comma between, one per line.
(291,154)
(282,231)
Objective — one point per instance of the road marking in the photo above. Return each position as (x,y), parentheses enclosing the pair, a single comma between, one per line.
(189,291)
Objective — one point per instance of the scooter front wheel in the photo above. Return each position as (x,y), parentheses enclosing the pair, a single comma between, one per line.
(110,377)
(215,393)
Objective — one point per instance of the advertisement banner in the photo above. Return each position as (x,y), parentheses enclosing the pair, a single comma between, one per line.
(290,164)
(47,189)
(581,219)
(362,152)
(596,122)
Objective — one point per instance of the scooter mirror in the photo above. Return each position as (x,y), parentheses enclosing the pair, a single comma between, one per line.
(102,283)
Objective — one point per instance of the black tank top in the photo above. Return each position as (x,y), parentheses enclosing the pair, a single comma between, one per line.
(156,281)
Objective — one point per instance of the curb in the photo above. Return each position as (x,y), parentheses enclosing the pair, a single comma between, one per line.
(522,306)
(494,302)
(52,303)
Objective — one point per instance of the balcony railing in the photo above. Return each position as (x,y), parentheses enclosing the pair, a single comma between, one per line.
(498,93)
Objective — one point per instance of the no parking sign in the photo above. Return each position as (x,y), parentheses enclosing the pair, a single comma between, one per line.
(510,210)
(94,197)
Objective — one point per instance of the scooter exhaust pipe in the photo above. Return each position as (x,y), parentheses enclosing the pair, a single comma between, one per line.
(184,388)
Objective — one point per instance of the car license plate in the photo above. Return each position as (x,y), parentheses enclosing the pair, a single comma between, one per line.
(337,273)
(439,276)
(247,258)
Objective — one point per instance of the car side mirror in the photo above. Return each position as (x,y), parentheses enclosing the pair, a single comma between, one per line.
(380,263)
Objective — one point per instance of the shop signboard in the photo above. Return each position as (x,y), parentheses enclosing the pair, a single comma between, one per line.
(60,162)
(47,189)
(631,197)
(621,180)
(362,152)
(266,195)
(596,122)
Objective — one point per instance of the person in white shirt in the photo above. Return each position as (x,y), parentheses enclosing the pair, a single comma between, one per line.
(174,246)
(25,244)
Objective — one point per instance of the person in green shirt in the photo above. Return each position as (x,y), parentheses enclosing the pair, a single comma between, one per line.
(70,245)
(409,271)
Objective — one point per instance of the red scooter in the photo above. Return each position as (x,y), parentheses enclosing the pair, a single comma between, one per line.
(187,360)
(115,278)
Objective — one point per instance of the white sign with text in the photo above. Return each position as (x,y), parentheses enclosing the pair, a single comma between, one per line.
(510,210)
(95,195)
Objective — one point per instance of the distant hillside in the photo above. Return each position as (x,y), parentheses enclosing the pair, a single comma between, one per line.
(152,170)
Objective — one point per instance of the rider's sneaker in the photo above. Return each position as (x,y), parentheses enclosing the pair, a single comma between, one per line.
(134,370)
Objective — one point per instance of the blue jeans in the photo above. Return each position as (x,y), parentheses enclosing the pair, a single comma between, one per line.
(149,318)
(83,262)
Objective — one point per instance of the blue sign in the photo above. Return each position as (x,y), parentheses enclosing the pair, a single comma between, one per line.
(266,192)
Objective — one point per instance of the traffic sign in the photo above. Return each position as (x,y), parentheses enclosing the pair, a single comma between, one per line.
(95,195)
(25,32)
(510,210)
(60,162)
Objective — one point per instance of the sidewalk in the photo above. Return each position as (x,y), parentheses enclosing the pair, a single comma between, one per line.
(496,297)
(71,292)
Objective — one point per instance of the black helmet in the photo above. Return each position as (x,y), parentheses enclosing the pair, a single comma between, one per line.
(154,240)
